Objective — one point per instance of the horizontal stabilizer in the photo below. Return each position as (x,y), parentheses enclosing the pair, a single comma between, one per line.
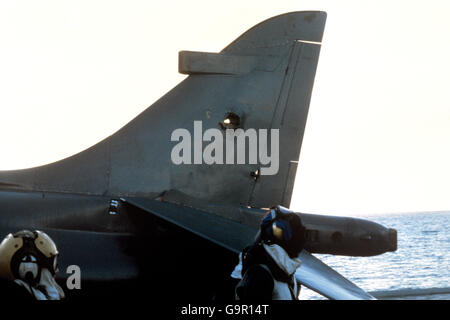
(319,277)
(224,232)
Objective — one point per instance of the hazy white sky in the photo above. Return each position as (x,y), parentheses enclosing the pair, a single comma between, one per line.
(378,133)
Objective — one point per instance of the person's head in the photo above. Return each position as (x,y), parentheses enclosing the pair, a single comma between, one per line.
(24,254)
(283,227)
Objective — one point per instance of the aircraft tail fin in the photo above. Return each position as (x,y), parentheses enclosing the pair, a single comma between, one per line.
(262,80)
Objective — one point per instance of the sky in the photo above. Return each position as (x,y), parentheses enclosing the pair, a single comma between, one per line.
(74,72)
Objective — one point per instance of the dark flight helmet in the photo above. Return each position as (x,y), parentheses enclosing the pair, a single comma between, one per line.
(285,228)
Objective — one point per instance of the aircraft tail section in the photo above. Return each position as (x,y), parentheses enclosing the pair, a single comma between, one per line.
(261,81)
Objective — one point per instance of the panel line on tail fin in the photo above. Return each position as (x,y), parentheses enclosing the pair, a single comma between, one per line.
(296,57)
(287,80)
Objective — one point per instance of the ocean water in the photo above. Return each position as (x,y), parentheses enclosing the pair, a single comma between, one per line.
(419,269)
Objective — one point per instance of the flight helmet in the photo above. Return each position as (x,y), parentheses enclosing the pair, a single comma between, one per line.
(283,227)
(24,254)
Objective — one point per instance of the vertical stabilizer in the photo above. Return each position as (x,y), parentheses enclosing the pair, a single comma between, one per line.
(262,80)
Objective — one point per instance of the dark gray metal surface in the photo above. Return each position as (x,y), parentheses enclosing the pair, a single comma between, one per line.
(224,232)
